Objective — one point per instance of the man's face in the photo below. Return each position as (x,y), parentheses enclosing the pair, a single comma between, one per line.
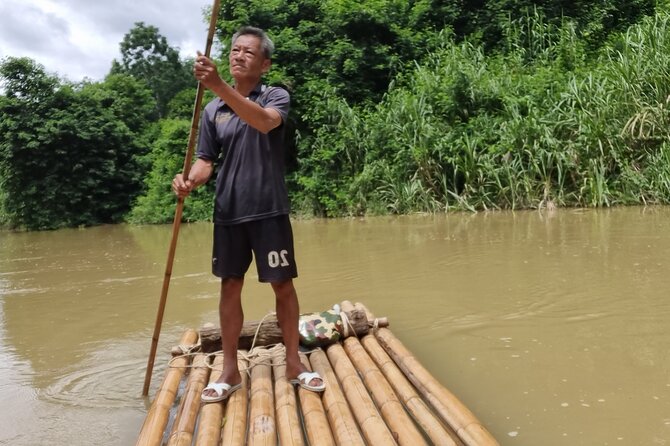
(246,58)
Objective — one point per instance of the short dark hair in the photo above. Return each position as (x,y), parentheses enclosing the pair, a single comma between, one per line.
(266,44)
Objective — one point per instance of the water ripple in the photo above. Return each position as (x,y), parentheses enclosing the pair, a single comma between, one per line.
(31,291)
(103,386)
(126,279)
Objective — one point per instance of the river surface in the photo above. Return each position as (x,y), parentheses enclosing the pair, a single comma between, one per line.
(553,328)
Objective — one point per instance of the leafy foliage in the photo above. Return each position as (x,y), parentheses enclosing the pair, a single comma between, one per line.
(147,56)
(397,106)
(167,158)
(346,57)
(68,154)
(515,130)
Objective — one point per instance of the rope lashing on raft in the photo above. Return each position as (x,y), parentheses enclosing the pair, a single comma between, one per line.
(254,352)
(263,355)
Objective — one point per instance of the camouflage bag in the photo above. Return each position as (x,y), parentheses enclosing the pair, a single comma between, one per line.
(320,329)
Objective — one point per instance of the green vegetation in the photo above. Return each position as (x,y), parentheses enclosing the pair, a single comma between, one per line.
(536,125)
(166,159)
(146,55)
(69,155)
(400,107)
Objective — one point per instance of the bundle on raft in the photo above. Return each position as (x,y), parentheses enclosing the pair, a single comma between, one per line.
(377,392)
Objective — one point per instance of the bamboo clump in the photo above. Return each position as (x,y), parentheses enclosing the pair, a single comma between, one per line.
(436,431)
(376,393)
(401,425)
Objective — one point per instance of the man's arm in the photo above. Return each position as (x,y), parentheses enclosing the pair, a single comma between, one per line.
(199,174)
(262,119)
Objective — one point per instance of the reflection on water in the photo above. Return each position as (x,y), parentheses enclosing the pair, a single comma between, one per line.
(552,328)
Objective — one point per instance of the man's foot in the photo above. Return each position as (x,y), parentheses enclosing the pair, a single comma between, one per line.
(216,392)
(309,381)
(219,390)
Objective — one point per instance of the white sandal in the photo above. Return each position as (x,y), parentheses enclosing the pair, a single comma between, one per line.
(305,378)
(222,390)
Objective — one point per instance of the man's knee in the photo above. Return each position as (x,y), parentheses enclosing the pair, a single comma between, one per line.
(283,289)
(231,287)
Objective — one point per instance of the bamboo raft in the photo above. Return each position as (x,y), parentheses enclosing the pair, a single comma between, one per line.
(377,393)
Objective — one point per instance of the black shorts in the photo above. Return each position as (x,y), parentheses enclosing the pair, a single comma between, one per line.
(270,240)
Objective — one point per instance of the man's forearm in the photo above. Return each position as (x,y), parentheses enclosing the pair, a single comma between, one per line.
(260,118)
(200,172)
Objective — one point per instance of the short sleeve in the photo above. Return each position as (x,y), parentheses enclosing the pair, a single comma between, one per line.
(208,146)
(279,99)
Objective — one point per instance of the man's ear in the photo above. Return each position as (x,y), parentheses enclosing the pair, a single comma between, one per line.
(267,63)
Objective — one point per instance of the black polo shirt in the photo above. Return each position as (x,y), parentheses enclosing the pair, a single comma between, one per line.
(250,181)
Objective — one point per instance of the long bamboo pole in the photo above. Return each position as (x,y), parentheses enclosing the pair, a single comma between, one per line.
(286,405)
(429,423)
(211,415)
(369,420)
(262,424)
(151,433)
(180,207)
(438,432)
(339,414)
(187,413)
(317,429)
(446,405)
(398,421)
(234,430)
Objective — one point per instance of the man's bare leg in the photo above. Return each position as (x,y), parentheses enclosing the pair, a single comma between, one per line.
(287,316)
(231,318)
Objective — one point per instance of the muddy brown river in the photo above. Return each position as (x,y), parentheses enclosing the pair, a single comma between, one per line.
(553,328)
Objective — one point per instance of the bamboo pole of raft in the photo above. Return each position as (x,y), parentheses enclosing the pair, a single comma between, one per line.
(371,423)
(339,414)
(475,432)
(157,418)
(211,415)
(398,421)
(286,404)
(425,418)
(447,406)
(314,416)
(234,430)
(262,427)
(187,414)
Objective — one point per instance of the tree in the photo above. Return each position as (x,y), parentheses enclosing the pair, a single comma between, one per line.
(69,154)
(341,58)
(147,56)
(157,205)
(24,79)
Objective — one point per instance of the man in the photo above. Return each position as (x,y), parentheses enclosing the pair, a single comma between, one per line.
(246,124)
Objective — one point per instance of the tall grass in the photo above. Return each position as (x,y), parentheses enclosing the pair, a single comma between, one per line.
(540,125)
